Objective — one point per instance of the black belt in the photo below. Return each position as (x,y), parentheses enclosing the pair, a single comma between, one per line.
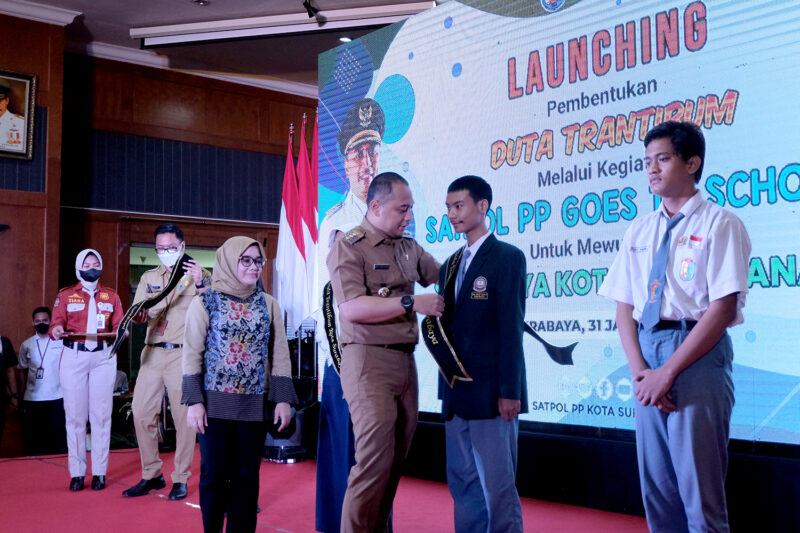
(406,347)
(166,345)
(675,324)
(82,347)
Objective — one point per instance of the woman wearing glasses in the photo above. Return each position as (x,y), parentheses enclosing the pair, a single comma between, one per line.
(235,368)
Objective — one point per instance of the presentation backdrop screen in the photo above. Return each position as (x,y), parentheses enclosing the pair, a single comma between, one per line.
(550,103)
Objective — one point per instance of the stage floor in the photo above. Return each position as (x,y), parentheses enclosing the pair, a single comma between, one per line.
(36,498)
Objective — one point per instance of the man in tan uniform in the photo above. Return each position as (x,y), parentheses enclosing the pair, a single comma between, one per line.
(161,365)
(373,269)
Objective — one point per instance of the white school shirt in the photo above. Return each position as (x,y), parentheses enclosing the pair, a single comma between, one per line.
(49,387)
(709,258)
(473,250)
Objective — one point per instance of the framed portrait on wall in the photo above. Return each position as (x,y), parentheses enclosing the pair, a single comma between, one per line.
(17,105)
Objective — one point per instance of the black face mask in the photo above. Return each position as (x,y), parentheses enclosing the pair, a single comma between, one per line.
(41,328)
(91,275)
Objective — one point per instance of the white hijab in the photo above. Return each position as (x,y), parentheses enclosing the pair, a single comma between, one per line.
(90,285)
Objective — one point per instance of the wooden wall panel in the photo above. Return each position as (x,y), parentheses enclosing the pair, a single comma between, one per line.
(113,102)
(30,42)
(233,115)
(22,264)
(172,105)
(29,251)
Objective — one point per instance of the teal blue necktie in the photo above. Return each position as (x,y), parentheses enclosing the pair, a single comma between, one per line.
(651,313)
(462,271)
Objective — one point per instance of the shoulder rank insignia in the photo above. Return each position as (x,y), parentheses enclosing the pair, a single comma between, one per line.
(334,209)
(354,235)
(408,235)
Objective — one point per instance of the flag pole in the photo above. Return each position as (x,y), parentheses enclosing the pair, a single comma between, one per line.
(290,147)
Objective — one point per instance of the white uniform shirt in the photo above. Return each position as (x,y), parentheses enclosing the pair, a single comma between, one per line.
(709,258)
(12,132)
(37,352)
(343,217)
(473,250)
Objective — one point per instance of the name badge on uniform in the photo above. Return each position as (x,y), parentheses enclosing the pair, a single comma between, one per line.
(75,307)
(380,267)
(40,373)
(687,270)
(101,322)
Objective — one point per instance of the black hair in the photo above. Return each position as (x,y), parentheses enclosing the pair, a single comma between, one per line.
(42,310)
(381,186)
(168,227)
(686,138)
(477,187)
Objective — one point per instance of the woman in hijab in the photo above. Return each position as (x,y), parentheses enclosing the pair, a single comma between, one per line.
(235,367)
(80,314)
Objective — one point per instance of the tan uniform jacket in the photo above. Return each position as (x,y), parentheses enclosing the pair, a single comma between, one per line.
(167,318)
(366,260)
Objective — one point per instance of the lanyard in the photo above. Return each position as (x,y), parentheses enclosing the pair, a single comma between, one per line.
(42,355)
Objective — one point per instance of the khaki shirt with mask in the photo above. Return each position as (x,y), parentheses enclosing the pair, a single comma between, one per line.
(165,320)
(367,260)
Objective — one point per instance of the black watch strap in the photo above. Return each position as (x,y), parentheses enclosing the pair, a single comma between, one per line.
(407,302)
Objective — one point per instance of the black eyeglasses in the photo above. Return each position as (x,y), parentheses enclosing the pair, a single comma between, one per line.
(162,249)
(248,261)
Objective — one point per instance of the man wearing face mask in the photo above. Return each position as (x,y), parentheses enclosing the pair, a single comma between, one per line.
(83,315)
(43,423)
(161,365)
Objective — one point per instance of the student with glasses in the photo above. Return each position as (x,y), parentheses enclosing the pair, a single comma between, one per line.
(236,379)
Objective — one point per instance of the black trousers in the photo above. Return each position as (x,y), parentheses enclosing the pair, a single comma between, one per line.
(230,459)
(43,427)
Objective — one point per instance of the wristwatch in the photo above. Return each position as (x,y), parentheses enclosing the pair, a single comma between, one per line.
(407,302)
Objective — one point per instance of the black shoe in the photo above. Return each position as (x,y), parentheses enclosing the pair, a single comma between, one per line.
(76,484)
(98,482)
(178,491)
(145,486)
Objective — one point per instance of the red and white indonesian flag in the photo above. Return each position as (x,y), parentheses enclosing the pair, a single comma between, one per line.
(307,179)
(291,285)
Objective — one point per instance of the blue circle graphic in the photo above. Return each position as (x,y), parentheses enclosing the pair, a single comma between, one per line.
(457,70)
(396,96)
(448,21)
(411,55)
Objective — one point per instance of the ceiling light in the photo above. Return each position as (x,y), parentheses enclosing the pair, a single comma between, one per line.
(216,30)
(345,39)
(201,3)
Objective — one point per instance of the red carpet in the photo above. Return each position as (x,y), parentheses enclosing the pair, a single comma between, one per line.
(36,498)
